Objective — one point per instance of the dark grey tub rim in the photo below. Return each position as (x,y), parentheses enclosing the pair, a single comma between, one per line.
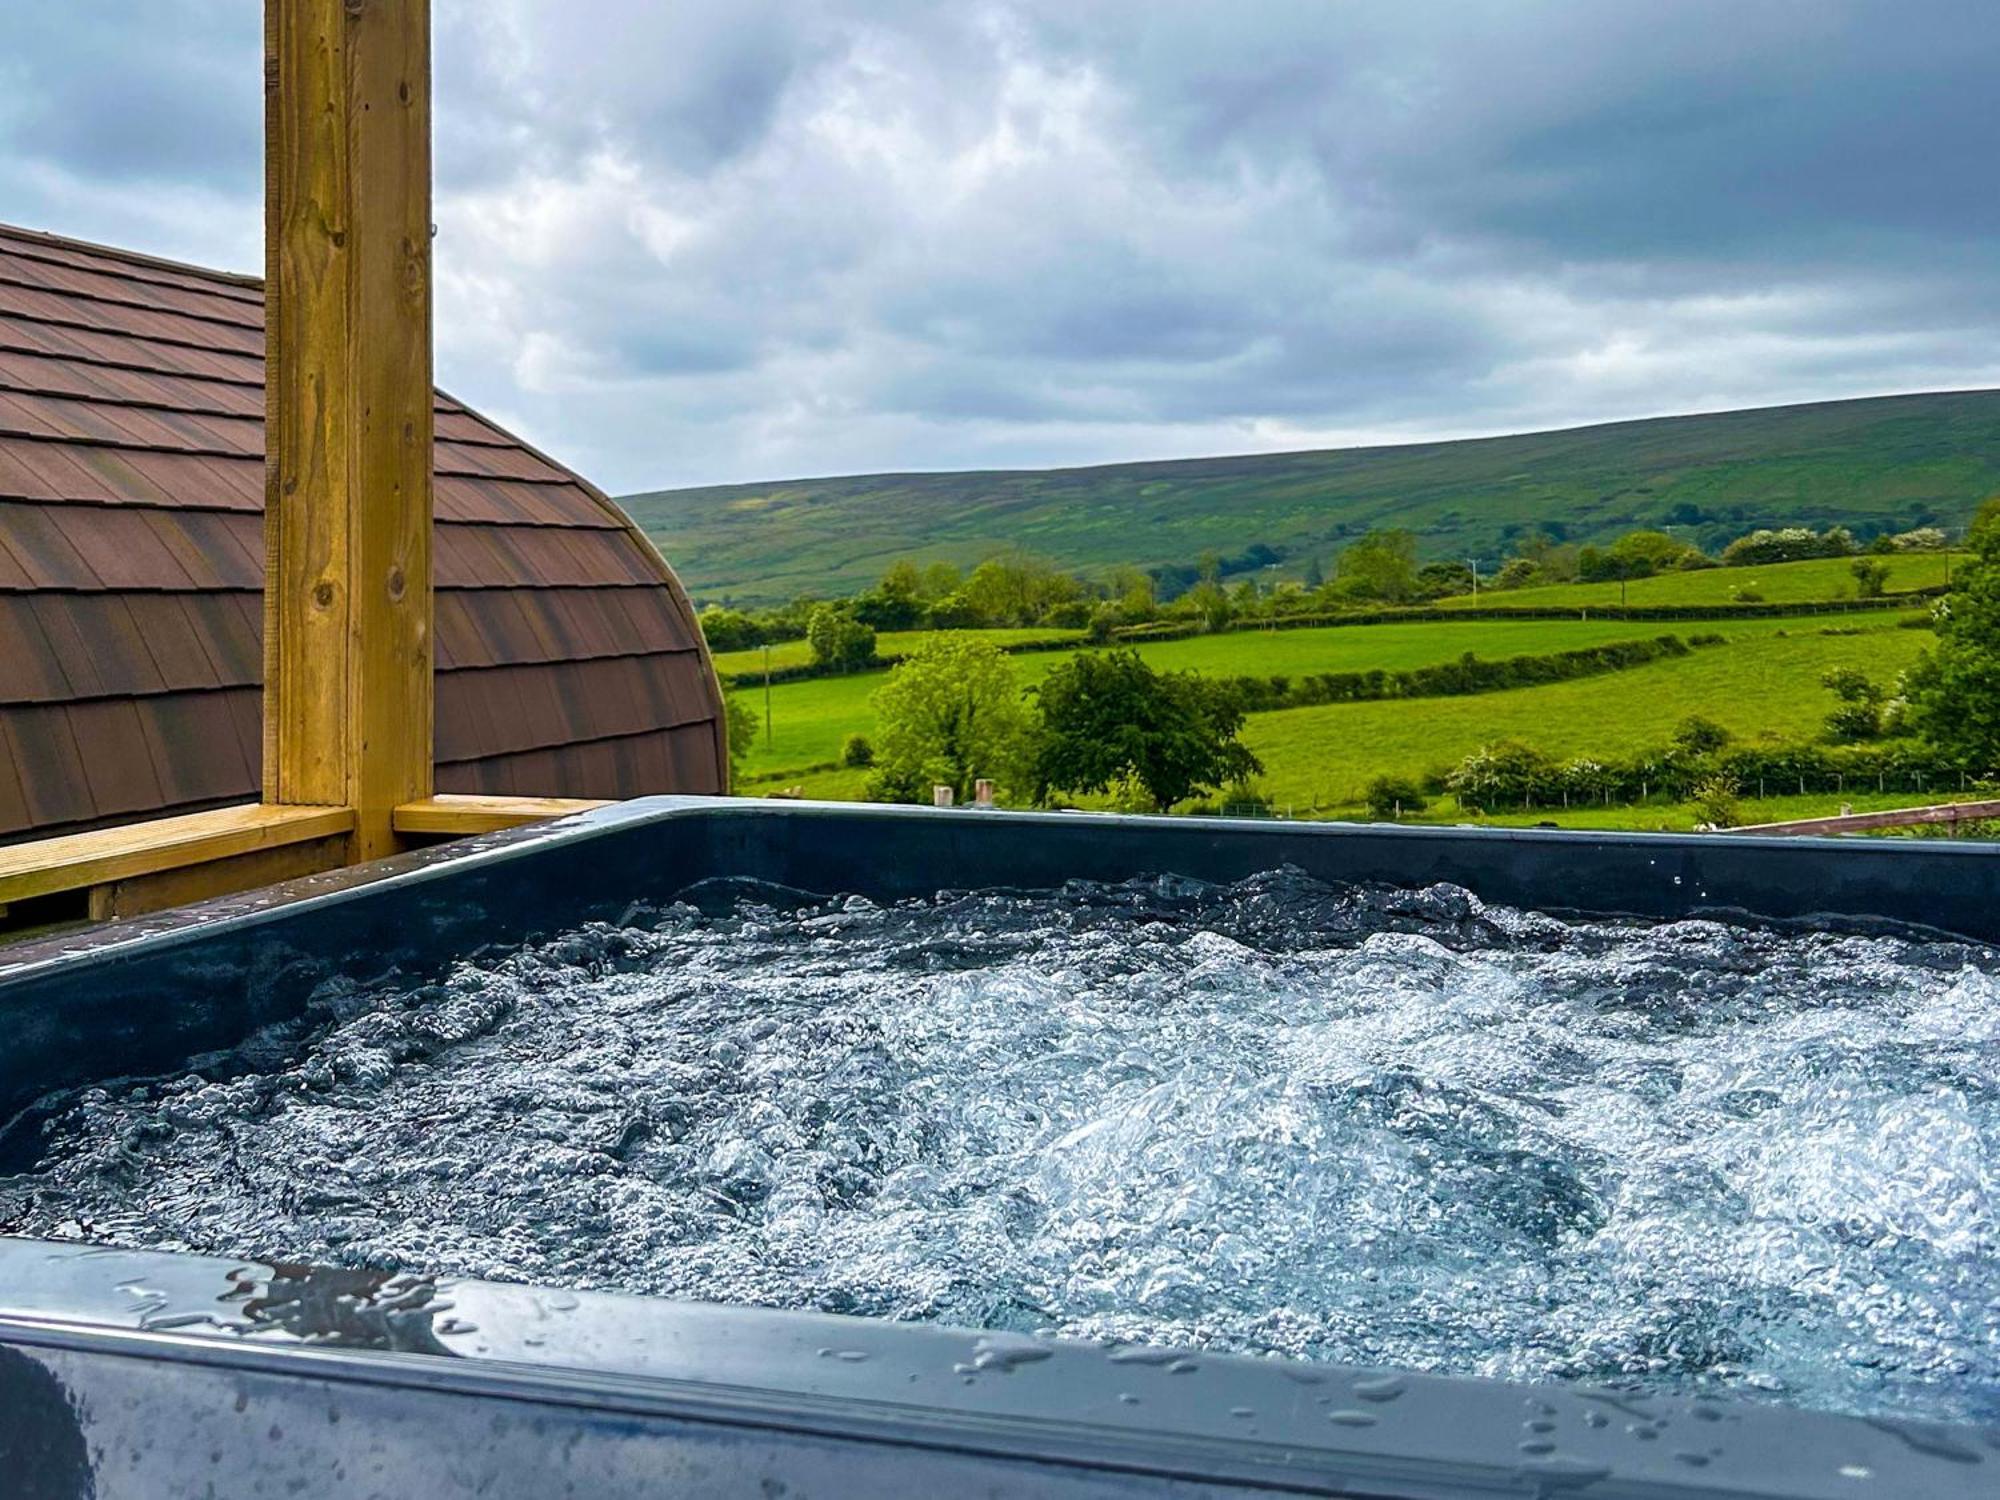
(241,912)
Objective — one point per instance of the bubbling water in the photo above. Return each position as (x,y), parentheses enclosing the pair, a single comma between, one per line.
(1354,1124)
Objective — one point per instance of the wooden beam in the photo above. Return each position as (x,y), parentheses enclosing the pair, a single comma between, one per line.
(1951,813)
(347,598)
(137,895)
(79,861)
(455,816)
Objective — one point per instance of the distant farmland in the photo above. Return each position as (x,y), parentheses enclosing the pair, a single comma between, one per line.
(1891,462)
(1762,684)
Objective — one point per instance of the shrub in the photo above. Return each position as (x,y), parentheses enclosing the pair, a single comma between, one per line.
(1715,803)
(1955,690)
(1698,736)
(857,752)
(1871,576)
(1493,777)
(1394,796)
(1792,544)
(1859,716)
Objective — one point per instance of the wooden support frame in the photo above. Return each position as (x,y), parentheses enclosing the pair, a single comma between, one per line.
(348,708)
(349,433)
(455,816)
(111,856)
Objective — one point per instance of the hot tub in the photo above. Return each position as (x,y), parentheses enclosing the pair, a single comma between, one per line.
(147,1373)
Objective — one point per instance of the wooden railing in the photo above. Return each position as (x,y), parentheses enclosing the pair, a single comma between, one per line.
(1949,813)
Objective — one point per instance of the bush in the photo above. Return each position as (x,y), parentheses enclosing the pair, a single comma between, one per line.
(857,752)
(1393,796)
(1698,736)
(1494,777)
(1955,690)
(1715,804)
(1871,577)
(1793,544)
(1859,716)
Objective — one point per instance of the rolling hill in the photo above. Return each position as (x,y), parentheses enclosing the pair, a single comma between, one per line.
(1888,462)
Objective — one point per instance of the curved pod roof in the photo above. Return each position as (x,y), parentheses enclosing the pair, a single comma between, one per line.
(132,560)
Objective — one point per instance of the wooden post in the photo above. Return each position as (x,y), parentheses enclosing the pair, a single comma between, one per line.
(347,594)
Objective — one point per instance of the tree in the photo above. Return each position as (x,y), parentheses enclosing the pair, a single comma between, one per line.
(1870,576)
(1954,691)
(1107,716)
(1442,580)
(1018,589)
(1382,565)
(1859,716)
(1314,577)
(743,723)
(1134,593)
(949,715)
(1209,602)
(896,603)
(730,629)
(839,642)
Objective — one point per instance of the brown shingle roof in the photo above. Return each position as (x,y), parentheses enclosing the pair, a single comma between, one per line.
(131,559)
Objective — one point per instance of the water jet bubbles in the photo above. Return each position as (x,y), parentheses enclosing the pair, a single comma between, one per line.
(1380,1388)
(1374,1128)
(1346,1418)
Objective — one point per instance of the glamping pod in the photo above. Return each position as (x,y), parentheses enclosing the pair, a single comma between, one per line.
(132,485)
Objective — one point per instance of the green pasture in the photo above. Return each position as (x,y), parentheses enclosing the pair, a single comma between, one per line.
(1819,579)
(1758,686)
(811,720)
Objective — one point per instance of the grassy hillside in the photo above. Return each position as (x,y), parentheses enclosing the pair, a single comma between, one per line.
(1894,461)
(1337,755)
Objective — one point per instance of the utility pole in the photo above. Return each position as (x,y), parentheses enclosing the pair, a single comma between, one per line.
(1473,563)
(767,695)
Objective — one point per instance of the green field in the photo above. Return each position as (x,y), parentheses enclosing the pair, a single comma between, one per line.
(1889,462)
(1766,680)
(889,644)
(1778,583)
(1323,758)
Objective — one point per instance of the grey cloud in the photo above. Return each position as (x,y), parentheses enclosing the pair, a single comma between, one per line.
(691,242)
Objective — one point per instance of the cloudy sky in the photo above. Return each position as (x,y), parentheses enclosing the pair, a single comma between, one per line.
(693,241)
